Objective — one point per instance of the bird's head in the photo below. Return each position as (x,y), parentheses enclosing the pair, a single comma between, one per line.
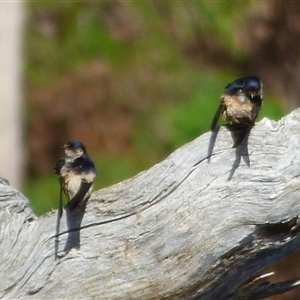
(252,87)
(74,149)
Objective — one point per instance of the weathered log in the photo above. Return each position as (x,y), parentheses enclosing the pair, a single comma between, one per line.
(202,224)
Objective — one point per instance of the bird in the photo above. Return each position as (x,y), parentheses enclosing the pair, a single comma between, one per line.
(76,172)
(240,103)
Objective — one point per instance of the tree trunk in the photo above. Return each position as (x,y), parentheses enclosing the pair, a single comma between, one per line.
(12,150)
(202,224)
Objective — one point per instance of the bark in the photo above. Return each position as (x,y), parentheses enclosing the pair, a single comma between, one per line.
(202,224)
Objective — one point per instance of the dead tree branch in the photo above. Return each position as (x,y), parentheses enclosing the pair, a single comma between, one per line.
(202,224)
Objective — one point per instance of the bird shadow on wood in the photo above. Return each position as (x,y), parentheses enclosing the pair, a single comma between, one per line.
(240,143)
(211,144)
(74,219)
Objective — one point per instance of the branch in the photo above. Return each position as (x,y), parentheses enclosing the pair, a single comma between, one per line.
(202,224)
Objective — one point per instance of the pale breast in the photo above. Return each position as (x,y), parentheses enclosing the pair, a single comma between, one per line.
(72,184)
(235,110)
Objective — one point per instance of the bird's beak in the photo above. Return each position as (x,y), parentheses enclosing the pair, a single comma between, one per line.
(64,146)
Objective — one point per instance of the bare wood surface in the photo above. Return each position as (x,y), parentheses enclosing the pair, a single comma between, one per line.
(202,224)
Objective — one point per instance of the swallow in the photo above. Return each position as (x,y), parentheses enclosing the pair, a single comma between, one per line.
(240,103)
(76,172)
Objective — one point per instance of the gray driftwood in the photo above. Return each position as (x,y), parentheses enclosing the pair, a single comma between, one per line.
(202,224)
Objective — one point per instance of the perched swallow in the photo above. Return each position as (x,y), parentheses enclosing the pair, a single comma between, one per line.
(241,102)
(76,173)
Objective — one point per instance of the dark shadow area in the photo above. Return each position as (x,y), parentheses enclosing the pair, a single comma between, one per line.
(240,267)
(74,219)
(276,229)
(240,143)
(80,195)
(239,133)
(75,210)
(211,143)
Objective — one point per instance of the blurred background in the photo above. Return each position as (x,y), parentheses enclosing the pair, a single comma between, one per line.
(136,80)
(133,80)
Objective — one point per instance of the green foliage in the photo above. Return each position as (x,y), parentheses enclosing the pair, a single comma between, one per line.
(43,193)
(172,97)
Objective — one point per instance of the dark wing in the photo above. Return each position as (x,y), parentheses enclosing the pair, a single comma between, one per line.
(84,167)
(80,195)
(217,116)
(255,111)
(59,164)
(233,87)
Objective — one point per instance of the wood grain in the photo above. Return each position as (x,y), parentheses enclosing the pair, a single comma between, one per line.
(201,224)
